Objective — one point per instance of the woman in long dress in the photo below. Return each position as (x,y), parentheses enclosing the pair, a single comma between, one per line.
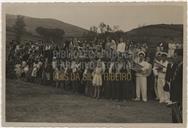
(97,79)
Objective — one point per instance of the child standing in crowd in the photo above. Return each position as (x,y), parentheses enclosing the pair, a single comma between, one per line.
(67,74)
(87,79)
(40,66)
(61,74)
(75,66)
(34,71)
(97,79)
(18,70)
(57,76)
(84,80)
(25,68)
(48,70)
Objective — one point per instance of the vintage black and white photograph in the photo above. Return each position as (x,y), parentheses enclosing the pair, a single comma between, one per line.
(94,62)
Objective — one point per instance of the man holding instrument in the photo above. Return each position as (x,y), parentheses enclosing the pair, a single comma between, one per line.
(164,96)
(155,72)
(141,77)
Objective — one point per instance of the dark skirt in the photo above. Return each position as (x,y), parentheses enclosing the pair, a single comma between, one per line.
(107,89)
(86,91)
(128,90)
(120,90)
(114,89)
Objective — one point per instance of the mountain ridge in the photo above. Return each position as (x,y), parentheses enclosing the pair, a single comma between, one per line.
(153,33)
(32,23)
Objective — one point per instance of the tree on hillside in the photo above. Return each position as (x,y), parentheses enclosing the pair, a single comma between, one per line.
(102,27)
(19,27)
(108,28)
(93,29)
(115,28)
(55,34)
(105,28)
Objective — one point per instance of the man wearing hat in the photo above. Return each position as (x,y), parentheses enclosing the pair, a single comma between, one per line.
(175,78)
(164,96)
(155,72)
(141,77)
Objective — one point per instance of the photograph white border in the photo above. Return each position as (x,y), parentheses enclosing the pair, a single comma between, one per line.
(130,125)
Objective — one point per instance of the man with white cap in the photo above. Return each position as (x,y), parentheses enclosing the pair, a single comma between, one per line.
(164,97)
(141,77)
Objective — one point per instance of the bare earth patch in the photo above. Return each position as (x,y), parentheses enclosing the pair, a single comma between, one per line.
(28,102)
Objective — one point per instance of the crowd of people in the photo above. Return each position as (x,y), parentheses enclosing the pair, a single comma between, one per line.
(112,69)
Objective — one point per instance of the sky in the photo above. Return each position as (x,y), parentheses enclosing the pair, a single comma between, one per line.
(126,16)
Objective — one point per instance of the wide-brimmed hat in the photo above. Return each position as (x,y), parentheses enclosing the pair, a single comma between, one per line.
(158,53)
(164,53)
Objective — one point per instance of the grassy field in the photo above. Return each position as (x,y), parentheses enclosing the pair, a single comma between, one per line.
(27,102)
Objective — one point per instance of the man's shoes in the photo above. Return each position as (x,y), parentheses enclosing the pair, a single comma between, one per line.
(144,100)
(161,101)
(170,103)
(137,99)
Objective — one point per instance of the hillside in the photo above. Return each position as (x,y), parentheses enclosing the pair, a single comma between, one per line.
(157,33)
(151,34)
(33,23)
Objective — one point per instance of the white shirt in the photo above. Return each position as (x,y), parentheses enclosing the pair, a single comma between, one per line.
(75,66)
(26,69)
(145,67)
(155,71)
(85,71)
(121,47)
(162,73)
(103,67)
(173,46)
(113,45)
(120,66)
(111,66)
(54,64)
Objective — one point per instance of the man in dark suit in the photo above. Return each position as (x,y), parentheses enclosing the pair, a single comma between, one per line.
(175,77)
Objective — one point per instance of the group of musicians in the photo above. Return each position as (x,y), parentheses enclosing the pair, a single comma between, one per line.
(117,78)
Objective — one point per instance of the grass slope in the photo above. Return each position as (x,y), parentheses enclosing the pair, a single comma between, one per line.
(27,102)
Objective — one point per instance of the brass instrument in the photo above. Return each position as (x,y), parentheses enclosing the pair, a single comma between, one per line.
(136,67)
(159,66)
(139,68)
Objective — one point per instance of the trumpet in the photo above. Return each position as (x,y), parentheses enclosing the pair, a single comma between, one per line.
(136,67)
(160,66)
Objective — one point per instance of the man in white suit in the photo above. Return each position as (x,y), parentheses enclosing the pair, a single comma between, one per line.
(141,78)
(164,97)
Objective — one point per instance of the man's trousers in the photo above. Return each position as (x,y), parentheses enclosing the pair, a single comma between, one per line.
(141,87)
